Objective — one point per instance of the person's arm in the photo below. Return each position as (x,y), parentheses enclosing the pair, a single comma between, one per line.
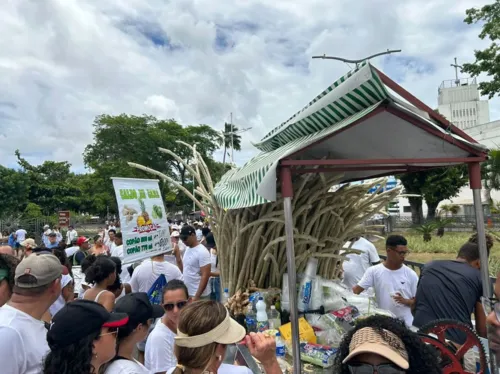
(365,282)
(178,258)
(413,282)
(107,300)
(134,284)
(205,276)
(480,316)
(374,257)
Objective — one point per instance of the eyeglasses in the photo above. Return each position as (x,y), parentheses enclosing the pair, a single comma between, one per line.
(402,253)
(111,331)
(169,307)
(360,368)
(491,305)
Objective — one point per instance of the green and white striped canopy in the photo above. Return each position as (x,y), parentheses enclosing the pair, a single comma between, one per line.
(349,99)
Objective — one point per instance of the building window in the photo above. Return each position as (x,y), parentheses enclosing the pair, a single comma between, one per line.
(407,209)
(473,111)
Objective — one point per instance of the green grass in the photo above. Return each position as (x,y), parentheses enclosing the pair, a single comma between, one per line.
(441,248)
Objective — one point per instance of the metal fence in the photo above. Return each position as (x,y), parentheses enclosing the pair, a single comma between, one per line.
(454,223)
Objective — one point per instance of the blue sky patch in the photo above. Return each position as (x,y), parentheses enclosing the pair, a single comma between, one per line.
(152,32)
(397,66)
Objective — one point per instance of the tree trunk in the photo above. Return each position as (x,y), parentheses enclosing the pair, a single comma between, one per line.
(417,214)
(431,210)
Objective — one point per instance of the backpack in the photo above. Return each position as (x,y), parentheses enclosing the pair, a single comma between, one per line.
(154,293)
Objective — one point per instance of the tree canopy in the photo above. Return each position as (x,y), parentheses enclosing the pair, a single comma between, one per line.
(433,186)
(487,60)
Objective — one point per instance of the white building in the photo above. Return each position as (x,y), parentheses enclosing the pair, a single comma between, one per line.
(460,102)
(487,134)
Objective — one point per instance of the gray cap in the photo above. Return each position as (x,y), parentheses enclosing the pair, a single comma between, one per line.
(43,268)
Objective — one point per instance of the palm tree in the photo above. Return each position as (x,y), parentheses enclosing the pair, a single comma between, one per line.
(235,142)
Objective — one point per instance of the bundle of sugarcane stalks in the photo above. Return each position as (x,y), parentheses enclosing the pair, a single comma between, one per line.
(251,241)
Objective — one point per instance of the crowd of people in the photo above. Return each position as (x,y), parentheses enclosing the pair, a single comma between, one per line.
(110,324)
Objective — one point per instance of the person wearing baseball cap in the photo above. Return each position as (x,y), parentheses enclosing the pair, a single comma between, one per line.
(80,255)
(27,247)
(37,285)
(384,345)
(8,265)
(141,315)
(82,338)
(196,265)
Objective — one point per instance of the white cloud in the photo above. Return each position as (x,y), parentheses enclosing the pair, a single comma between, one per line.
(62,62)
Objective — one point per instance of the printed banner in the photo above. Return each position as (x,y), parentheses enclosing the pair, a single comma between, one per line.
(143,219)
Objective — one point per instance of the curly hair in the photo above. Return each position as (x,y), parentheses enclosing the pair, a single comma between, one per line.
(101,268)
(74,358)
(422,358)
(10,263)
(489,240)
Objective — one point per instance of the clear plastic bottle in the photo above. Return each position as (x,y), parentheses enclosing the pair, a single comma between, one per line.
(274,318)
(262,319)
(280,346)
(251,320)
(225,295)
(306,285)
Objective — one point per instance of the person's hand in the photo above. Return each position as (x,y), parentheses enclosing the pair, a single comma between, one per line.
(262,347)
(176,250)
(401,300)
(494,333)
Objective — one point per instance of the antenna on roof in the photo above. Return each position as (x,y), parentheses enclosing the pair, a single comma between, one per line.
(357,62)
(456,66)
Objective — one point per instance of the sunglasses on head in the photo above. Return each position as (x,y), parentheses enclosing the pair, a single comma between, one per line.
(170,306)
(361,368)
(111,331)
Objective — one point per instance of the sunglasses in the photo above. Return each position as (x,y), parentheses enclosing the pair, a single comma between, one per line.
(360,368)
(169,307)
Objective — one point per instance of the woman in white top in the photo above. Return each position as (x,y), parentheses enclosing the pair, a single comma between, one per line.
(141,313)
(204,330)
(101,274)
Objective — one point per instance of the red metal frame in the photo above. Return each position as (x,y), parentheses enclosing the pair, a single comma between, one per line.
(445,124)
(395,161)
(394,169)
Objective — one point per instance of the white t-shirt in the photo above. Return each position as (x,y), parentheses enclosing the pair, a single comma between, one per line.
(116,250)
(194,259)
(227,369)
(70,236)
(387,282)
(357,264)
(159,354)
(71,250)
(148,272)
(123,366)
(23,339)
(199,235)
(21,235)
(213,262)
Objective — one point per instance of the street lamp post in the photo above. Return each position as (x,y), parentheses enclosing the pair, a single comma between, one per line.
(357,62)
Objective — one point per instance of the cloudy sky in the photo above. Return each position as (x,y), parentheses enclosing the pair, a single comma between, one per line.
(62,62)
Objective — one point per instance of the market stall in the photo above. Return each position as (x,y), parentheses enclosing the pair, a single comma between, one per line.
(363,126)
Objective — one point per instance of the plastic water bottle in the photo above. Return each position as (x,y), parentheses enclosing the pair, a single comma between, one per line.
(305,290)
(280,346)
(262,320)
(251,320)
(274,318)
(225,295)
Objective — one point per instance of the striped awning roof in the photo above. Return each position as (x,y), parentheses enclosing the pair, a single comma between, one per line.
(357,95)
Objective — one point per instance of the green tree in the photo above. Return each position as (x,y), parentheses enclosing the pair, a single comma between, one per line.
(14,187)
(32,211)
(125,138)
(487,60)
(231,139)
(49,186)
(434,186)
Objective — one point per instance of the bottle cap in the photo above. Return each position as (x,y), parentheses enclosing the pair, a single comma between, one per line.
(278,334)
(226,290)
(261,298)
(273,307)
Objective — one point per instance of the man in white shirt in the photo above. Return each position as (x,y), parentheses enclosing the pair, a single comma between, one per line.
(148,272)
(196,265)
(71,235)
(23,335)
(20,235)
(395,284)
(118,252)
(199,234)
(356,265)
(160,355)
(110,240)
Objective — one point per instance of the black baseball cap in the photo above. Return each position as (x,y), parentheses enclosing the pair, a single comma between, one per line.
(186,231)
(210,241)
(81,318)
(52,234)
(138,308)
